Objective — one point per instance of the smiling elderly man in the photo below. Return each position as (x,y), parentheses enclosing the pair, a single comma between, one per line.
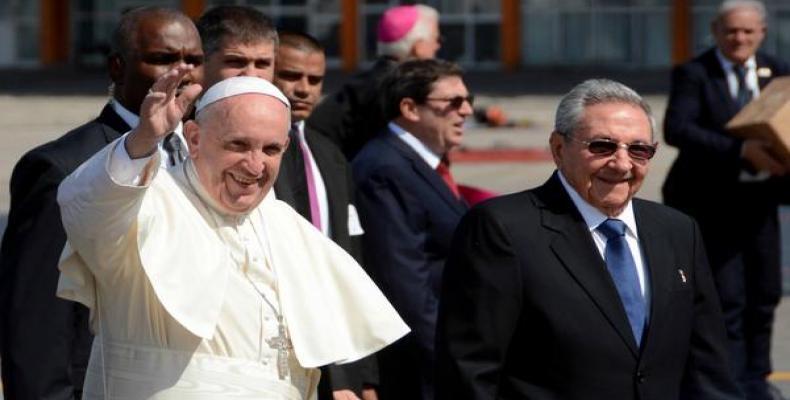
(198,287)
(577,290)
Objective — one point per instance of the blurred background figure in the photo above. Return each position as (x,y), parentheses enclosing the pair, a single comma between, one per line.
(731,186)
(352,116)
(409,205)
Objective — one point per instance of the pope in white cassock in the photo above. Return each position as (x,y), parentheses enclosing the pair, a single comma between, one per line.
(199,286)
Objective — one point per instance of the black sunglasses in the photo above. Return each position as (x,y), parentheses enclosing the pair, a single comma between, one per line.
(605,147)
(455,102)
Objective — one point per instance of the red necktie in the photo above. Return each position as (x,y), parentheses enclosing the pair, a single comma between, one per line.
(444,171)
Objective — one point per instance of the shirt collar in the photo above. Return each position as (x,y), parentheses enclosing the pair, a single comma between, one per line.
(594,217)
(425,153)
(726,64)
(132,119)
(299,125)
(127,116)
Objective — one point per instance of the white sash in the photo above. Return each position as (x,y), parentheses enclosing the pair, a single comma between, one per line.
(142,372)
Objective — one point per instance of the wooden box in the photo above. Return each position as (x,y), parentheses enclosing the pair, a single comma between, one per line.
(768,118)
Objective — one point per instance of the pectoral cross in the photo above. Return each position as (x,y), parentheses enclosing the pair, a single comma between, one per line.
(282,344)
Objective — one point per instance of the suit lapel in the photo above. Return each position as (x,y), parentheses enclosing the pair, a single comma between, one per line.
(291,184)
(113,126)
(719,80)
(573,245)
(332,171)
(430,176)
(659,267)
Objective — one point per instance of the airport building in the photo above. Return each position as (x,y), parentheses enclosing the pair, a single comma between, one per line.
(479,34)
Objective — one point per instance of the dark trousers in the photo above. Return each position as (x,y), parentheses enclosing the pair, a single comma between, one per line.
(744,252)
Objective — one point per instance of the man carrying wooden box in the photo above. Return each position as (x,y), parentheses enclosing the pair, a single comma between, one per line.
(732,185)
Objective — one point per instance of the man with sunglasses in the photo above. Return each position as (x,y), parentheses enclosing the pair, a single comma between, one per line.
(409,207)
(732,186)
(576,289)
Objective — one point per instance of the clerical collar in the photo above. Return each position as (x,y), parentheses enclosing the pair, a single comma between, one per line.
(194,182)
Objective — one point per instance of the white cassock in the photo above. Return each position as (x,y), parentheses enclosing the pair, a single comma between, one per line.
(184,300)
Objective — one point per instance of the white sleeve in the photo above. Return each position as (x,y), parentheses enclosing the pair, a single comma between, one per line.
(125,170)
(101,198)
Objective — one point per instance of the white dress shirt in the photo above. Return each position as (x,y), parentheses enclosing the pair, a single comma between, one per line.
(431,158)
(752,85)
(320,187)
(593,217)
(132,120)
(750,67)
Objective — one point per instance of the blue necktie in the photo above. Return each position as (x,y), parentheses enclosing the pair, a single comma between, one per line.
(743,96)
(621,266)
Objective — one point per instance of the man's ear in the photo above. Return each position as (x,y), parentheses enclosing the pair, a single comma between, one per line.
(116,65)
(192,136)
(408,109)
(556,143)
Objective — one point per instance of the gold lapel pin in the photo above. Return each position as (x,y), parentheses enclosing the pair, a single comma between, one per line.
(764,72)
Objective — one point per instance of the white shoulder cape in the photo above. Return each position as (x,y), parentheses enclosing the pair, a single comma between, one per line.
(335,313)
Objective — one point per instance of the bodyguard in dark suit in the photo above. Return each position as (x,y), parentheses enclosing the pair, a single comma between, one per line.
(315,179)
(731,186)
(576,290)
(45,341)
(409,207)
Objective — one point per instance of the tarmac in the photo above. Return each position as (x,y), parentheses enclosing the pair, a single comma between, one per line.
(39,105)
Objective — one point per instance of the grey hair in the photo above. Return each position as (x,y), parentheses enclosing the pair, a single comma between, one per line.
(401,48)
(595,91)
(728,6)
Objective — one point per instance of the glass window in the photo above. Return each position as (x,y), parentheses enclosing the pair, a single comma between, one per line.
(487,43)
(577,42)
(539,38)
(27,41)
(612,33)
(454,45)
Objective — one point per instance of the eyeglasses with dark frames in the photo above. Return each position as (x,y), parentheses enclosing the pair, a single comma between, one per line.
(606,147)
(455,102)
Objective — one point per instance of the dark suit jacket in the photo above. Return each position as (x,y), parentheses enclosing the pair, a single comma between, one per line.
(704,180)
(291,187)
(409,215)
(529,310)
(353,115)
(45,340)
